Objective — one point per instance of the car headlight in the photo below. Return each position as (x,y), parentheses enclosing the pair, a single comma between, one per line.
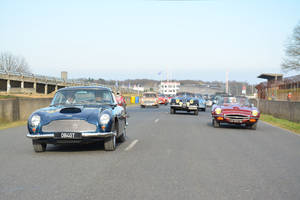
(191,101)
(254,113)
(104,119)
(177,100)
(218,111)
(35,120)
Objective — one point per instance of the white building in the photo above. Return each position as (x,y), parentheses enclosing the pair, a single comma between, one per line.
(138,88)
(169,88)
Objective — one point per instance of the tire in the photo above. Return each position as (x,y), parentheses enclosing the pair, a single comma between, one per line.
(142,106)
(110,143)
(253,126)
(204,109)
(122,138)
(172,111)
(39,147)
(215,124)
(196,112)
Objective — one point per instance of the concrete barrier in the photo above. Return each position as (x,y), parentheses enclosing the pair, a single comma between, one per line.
(289,110)
(20,108)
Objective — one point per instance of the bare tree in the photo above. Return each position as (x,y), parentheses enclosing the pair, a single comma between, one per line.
(292,60)
(11,63)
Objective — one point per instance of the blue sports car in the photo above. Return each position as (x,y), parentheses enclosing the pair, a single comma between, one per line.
(79,115)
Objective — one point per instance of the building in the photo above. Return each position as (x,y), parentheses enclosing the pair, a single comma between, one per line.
(138,88)
(278,88)
(169,88)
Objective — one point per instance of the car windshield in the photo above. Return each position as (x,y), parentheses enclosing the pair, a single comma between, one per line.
(82,96)
(242,101)
(150,95)
(185,94)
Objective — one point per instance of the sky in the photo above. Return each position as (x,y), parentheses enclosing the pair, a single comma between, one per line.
(128,39)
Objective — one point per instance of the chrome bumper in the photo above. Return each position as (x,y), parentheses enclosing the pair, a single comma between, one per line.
(186,107)
(84,135)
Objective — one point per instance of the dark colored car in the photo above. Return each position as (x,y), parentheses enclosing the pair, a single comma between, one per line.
(184,102)
(79,115)
(235,110)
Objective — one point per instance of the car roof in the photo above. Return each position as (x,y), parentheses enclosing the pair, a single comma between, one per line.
(85,87)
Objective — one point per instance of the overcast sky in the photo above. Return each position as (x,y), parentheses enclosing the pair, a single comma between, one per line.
(129,39)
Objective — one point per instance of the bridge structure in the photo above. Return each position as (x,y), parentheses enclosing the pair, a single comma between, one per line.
(13,82)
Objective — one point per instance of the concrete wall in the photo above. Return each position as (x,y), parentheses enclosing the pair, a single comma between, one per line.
(289,110)
(21,108)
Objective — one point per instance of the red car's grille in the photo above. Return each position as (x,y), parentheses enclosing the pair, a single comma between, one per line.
(236,117)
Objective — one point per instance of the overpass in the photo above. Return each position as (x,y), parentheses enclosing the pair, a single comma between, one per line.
(13,82)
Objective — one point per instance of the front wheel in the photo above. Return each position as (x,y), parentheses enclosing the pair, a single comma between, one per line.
(122,138)
(172,111)
(110,143)
(39,147)
(215,123)
(253,126)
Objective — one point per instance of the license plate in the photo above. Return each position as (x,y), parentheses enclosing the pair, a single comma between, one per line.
(236,120)
(68,135)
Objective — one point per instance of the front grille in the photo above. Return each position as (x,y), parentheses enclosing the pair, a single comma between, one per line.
(69,126)
(149,101)
(236,116)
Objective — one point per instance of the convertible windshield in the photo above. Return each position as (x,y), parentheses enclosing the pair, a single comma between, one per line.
(83,96)
(243,101)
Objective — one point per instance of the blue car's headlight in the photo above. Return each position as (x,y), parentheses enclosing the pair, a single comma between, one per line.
(35,120)
(104,119)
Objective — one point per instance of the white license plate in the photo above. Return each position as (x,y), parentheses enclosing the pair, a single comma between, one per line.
(67,135)
(236,120)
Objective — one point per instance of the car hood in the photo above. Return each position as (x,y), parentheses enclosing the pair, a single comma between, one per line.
(149,99)
(88,113)
(186,98)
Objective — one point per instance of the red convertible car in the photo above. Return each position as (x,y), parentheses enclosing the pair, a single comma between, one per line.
(235,110)
(162,99)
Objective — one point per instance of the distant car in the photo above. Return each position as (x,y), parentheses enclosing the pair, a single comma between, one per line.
(78,115)
(235,110)
(202,102)
(120,100)
(149,99)
(209,103)
(184,102)
(162,99)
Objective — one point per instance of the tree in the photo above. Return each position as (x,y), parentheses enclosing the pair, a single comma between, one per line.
(11,63)
(292,51)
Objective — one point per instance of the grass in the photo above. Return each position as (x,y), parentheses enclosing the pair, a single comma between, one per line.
(283,123)
(6,96)
(5,125)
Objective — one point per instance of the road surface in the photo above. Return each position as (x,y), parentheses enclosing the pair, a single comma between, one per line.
(165,157)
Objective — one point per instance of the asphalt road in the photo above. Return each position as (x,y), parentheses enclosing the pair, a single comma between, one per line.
(165,157)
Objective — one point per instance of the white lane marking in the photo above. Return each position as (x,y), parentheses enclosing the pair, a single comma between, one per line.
(131,145)
(155,121)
